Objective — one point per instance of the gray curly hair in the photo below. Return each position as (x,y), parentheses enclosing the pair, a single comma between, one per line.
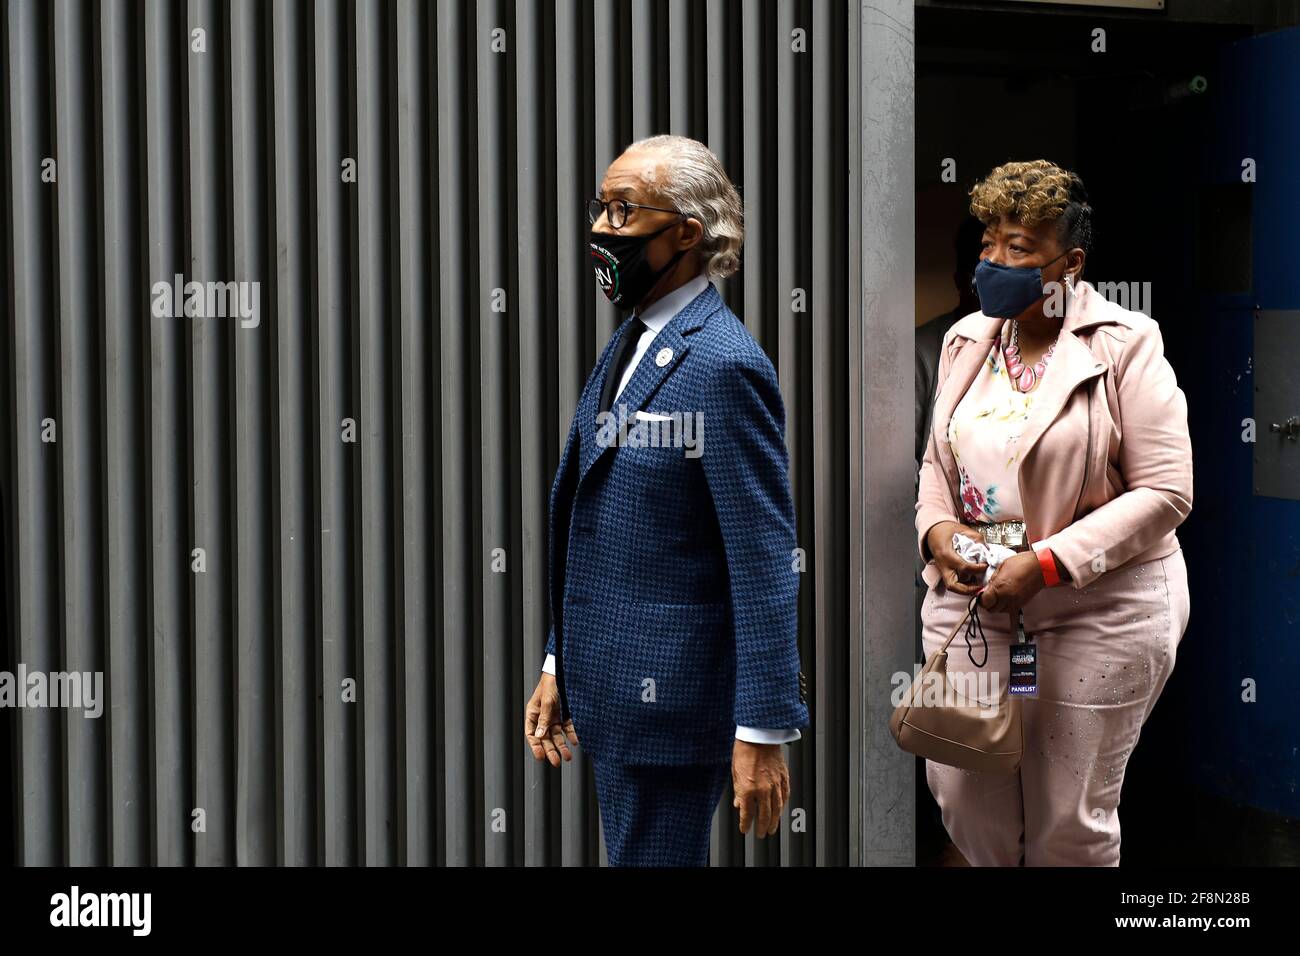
(692,179)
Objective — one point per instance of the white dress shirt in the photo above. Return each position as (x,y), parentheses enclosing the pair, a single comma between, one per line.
(656,316)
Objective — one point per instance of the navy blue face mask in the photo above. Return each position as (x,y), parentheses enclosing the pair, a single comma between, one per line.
(1006,291)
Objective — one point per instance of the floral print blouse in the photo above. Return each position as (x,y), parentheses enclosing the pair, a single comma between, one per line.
(984,434)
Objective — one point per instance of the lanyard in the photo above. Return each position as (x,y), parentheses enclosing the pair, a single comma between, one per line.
(1021,636)
(975,629)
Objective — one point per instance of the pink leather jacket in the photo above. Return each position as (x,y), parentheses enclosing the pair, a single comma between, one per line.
(1106,460)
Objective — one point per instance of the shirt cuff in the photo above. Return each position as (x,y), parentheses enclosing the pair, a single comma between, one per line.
(549,666)
(762,735)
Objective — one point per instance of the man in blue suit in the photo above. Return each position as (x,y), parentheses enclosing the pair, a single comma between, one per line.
(673,574)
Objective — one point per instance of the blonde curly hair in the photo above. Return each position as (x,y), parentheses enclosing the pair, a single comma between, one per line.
(1033,192)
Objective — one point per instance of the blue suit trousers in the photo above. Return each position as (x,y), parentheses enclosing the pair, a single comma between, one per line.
(656,815)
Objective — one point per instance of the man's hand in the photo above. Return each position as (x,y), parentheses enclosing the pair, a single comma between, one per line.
(542,729)
(762,784)
(1016,580)
(959,575)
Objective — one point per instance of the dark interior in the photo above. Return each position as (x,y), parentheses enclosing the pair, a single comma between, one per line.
(1151,127)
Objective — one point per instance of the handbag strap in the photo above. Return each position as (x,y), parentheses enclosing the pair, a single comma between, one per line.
(971,621)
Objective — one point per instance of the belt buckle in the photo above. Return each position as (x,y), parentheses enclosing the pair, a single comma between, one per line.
(1009,534)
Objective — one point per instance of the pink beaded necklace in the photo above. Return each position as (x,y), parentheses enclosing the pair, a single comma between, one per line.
(1024,377)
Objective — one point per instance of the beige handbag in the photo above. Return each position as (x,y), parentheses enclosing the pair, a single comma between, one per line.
(961,732)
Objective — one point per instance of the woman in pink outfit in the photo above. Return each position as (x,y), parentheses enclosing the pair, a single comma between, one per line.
(1059,430)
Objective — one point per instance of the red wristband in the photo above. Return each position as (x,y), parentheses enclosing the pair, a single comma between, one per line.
(1047,561)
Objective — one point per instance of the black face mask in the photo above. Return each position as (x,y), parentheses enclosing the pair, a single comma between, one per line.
(621,267)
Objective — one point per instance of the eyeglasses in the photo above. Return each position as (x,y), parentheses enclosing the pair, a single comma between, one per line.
(617,210)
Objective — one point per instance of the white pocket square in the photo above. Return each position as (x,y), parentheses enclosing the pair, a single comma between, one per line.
(652,417)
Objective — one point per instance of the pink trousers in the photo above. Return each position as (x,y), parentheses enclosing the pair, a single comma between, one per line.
(1104,654)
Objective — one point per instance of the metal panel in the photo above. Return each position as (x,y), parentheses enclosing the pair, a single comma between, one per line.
(39,588)
(169,793)
(124,336)
(339,676)
(416,768)
(337,785)
(373,414)
(82,538)
(294,627)
(253,442)
(886,496)
(1277,404)
(209,404)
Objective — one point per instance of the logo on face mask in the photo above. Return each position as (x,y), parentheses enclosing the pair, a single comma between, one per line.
(621,268)
(606,266)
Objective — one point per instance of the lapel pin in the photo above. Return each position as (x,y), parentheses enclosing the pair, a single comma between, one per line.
(664,357)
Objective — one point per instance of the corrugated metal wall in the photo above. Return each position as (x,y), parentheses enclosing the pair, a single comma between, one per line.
(443,303)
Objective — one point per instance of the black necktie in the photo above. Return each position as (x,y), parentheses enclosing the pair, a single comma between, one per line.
(626,349)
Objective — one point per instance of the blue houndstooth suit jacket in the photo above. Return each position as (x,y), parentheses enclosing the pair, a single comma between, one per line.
(672,578)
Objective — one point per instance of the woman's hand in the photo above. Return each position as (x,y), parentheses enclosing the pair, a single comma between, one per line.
(959,574)
(1016,580)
